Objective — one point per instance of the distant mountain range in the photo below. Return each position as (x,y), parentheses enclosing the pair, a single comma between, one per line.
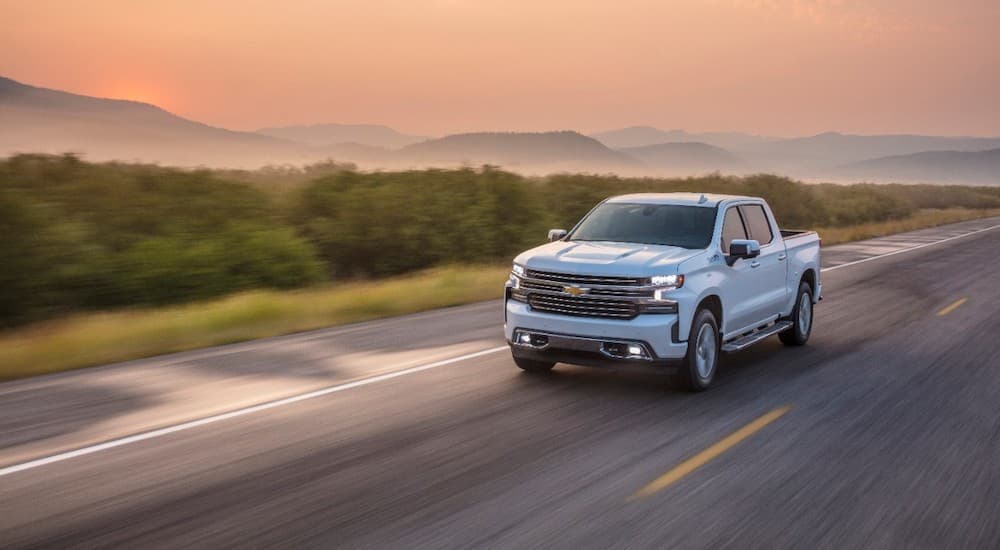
(932,166)
(686,158)
(639,136)
(50,121)
(818,154)
(827,156)
(36,119)
(548,150)
(321,135)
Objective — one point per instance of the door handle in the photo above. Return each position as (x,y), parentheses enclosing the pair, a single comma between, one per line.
(782,256)
(755,263)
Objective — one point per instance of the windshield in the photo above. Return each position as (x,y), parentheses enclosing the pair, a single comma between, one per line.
(663,224)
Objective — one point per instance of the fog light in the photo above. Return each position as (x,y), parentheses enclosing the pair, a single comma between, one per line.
(525,338)
(634,350)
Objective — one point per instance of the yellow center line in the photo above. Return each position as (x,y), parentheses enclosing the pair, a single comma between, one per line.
(702,458)
(948,309)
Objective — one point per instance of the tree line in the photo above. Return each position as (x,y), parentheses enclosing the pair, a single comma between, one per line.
(77,236)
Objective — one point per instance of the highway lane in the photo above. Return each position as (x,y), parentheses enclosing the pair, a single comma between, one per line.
(43,416)
(891,438)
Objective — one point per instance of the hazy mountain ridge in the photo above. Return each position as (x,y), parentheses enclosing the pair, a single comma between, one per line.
(830,149)
(982,167)
(50,121)
(557,150)
(44,120)
(686,158)
(641,136)
(320,135)
(833,154)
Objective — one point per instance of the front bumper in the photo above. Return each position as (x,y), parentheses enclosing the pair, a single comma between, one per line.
(579,340)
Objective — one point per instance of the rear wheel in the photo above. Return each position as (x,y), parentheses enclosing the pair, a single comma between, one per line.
(801,318)
(531,365)
(702,359)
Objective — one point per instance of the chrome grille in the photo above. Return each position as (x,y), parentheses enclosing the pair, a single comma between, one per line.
(582,307)
(573,279)
(530,284)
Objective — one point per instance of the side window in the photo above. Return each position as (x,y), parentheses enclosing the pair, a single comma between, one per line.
(732,228)
(756,220)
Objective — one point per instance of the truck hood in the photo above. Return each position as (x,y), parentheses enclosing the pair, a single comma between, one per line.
(606,258)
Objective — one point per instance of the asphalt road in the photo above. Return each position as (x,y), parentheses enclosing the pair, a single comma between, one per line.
(883,432)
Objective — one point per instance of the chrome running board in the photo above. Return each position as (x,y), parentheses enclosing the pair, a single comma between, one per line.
(743,342)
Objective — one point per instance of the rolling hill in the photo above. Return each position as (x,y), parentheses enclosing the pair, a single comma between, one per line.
(639,136)
(976,167)
(320,135)
(686,158)
(51,121)
(525,151)
(809,155)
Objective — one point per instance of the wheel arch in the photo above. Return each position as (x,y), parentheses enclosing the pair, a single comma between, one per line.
(713,303)
(809,277)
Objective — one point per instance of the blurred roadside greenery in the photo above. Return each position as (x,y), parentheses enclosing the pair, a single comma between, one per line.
(80,236)
(85,339)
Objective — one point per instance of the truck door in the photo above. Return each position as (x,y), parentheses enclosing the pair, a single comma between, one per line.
(741,293)
(772,263)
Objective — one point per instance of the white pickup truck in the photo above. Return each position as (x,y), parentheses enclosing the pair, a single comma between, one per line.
(662,282)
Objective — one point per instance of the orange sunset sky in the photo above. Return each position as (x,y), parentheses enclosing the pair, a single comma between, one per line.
(778,67)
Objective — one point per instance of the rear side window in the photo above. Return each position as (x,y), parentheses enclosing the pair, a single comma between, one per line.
(732,228)
(756,220)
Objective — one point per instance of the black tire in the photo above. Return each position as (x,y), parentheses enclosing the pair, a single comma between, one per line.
(531,365)
(798,335)
(691,377)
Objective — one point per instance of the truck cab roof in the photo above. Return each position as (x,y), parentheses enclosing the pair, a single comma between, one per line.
(688,199)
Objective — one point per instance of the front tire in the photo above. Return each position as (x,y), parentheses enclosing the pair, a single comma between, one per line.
(533,366)
(801,318)
(702,359)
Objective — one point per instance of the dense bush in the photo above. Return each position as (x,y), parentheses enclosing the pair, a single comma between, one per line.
(78,235)
(385,223)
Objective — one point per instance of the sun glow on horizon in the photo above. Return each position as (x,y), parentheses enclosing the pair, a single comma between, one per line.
(774,67)
(138,90)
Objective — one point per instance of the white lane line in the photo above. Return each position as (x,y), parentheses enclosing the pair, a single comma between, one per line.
(333,389)
(236,413)
(900,251)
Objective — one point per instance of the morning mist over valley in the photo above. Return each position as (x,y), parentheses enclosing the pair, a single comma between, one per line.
(101,129)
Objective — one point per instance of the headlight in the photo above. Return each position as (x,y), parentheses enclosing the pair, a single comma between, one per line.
(667,283)
(515,281)
(675,281)
(516,273)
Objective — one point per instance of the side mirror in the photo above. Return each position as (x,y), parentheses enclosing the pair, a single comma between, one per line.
(742,249)
(556,234)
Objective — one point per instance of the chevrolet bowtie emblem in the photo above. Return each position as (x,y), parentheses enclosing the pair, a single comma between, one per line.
(575,290)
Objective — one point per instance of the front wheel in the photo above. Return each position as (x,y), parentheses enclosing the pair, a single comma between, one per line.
(702,358)
(801,318)
(531,365)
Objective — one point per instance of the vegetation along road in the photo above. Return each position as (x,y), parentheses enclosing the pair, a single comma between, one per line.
(111,261)
(419,431)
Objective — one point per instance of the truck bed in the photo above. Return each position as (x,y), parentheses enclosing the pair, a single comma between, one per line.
(795,233)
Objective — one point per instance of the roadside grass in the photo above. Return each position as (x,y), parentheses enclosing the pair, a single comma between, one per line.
(920,220)
(99,338)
